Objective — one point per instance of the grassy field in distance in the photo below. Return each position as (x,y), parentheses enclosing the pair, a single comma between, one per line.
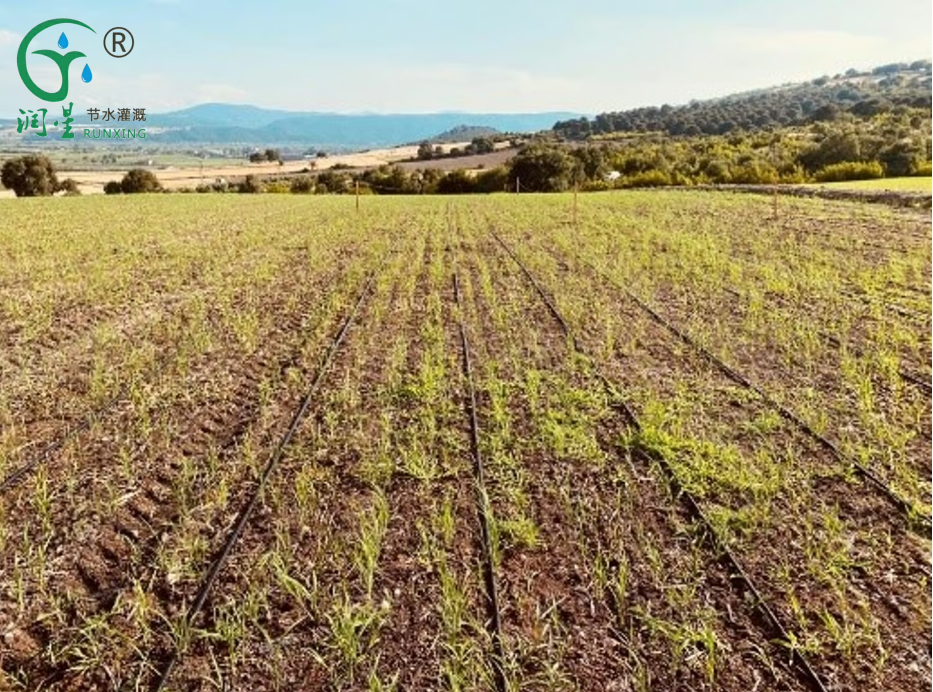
(914,184)
(237,436)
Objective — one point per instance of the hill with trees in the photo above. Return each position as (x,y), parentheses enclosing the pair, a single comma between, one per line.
(862,94)
(465,133)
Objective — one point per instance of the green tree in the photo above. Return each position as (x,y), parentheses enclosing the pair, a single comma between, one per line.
(273,155)
(140,180)
(250,185)
(303,184)
(388,180)
(835,148)
(455,183)
(542,168)
(69,186)
(482,145)
(425,151)
(900,158)
(493,180)
(332,181)
(32,175)
(592,162)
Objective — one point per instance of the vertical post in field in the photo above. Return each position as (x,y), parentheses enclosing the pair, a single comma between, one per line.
(357,195)
(516,186)
(575,189)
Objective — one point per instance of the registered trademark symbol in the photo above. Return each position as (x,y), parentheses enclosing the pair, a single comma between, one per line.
(116,40)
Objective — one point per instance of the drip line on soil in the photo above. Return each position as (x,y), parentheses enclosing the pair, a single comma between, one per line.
(905,375)
(482,504)
(805,669)
(249,508)
(867,474)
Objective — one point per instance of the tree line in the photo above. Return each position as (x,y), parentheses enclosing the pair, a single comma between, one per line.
(889,144)
(860,94)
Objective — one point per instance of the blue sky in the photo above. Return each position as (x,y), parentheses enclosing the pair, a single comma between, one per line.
(484,55)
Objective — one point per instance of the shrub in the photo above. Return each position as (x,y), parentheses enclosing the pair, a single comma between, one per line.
(653,178)
(278,187)
(455,183)
(540,168)
(849,170)
(425,151)
(899,159)
(32,175)
(794,176)
(493,180)
(678,178)
(113,188)
(755,173)
(838,147)
(70,187)
(140,180)
(923,169)
(303,184)
(482,145)
(251,185)
(331,181)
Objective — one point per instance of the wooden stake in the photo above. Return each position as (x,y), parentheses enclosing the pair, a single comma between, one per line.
(575,186)
(516,186)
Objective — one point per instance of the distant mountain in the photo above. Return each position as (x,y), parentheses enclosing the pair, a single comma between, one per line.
(862,93)
(219,123)
(464,133)
(220,115)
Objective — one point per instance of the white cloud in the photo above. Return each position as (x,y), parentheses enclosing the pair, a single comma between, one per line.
(421,88)
(9,38)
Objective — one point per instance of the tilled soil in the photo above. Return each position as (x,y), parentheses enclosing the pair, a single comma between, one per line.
(619,466)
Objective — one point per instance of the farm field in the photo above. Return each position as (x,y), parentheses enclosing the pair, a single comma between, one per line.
(914,184)
(176,170)
(267,442)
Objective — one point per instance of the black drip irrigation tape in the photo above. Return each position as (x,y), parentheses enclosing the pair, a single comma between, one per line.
(15,477)
(482,506)
(615,395)
(738,573)
(250,507)
(867,474)
(905,375)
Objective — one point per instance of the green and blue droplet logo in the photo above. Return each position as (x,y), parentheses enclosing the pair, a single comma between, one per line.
(62,60)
